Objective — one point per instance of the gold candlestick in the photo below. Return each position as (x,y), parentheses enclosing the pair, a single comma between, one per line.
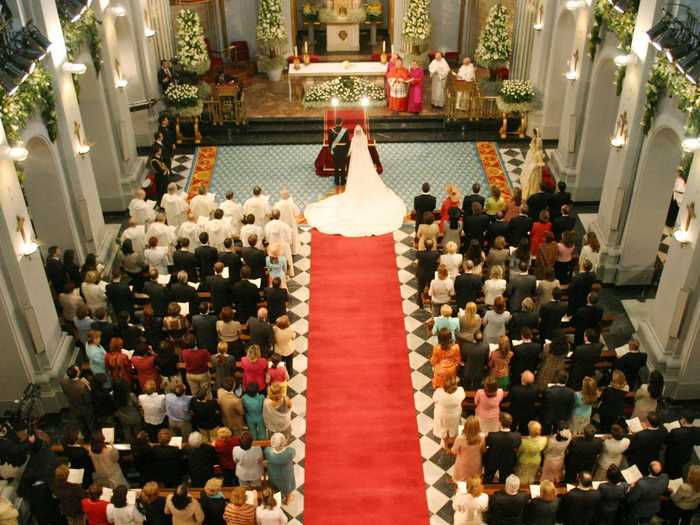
(297,64)
(383,58)
(307,59)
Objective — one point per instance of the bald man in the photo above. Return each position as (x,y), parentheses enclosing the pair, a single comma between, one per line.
(261,332)
(579,504)
(644,498)
(523,397)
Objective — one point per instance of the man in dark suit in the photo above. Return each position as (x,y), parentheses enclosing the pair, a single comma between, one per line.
(475,224)
(204,328)
(507,506)
(103,325)
(645,446)
(165,75)
(158,295)
(679,446)
(339,145)
(167,461)
(558,402)
(501,450)
(519,227)
(184,260)
(644,498)
(423,203)
(161,172)
(558,200)
(550,315)
(580,287)
(467,285)
(521,285)
(231,260)
(119,295)
(246,296)
(181,292)
(254,258)
(470,199)
(526,356)
(261,332)
(219,288)
(206,256)
(564,223)
(168,134)
(584,358)
(475,356)
(631,363)
(497,228)
(582,454)
(276,298)
(578,506)
(538,202)
(523,398)
(55,270)
(426,264)
(588,316)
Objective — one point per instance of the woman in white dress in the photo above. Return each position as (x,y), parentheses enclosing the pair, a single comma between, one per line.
(448,411)
(531,176)
(613,449)
(367,207)
(451,259)
(469,506)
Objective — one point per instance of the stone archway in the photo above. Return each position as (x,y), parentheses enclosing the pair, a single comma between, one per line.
(598,127)
(555,90)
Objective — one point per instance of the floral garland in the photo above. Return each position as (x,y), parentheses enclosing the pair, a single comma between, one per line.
(665,78)
(494,46)
(348,90)
(83,31)
(35,93)
(416,22)
(191,48)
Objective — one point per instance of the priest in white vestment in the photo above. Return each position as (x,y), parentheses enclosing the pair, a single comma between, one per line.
(136,233)
(439,71)
(190,230)
(252,229)
(289,212)
(259,206)
(279,233)
(202,204)
(234,212)
(467,73)
(164,233)
(140,209)
(175,205)
(218,228)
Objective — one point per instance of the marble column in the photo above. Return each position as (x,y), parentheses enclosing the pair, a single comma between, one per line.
(159,11)
(523,38)
(539,59)
(148,62)
(399,11)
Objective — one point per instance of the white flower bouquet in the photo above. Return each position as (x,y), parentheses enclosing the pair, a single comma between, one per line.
(191,48)
(516,96)
(348,90)
(416,22)
(184,100)
(494,47)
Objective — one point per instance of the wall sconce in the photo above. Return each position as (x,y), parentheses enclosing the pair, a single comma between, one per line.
(117,9)
(148,32)
(626,60)
(74,68)
(690,144)
(572,73)
(29,247)
(16,153)
(83,147)
(620,137)
(121,82)
(539,22)
(681,233)
(573,5)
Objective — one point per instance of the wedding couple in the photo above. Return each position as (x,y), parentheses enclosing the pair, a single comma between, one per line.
(367,207)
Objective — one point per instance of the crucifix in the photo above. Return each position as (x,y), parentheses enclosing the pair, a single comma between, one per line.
(622,124)
(690,215)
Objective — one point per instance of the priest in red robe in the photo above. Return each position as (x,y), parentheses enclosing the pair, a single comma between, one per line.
(399,80)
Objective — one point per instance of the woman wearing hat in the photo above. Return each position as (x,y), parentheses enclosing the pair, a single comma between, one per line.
(280,465)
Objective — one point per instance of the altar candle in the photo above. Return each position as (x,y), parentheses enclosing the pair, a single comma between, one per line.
(306,47)
(392,49)
(383,46)
(296,51)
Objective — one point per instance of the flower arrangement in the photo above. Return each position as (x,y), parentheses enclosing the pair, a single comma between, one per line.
(191,48)
(348,90)
(416,21)
(517,91)
(271,35)
(82,32)
(374,11)
(494,47)
(34,94)
(310,11)
(184,100)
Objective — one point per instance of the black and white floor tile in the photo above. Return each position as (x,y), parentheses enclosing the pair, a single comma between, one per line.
(513,157)
(180,169)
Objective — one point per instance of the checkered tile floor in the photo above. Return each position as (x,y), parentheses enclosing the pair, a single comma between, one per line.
(513,158)
(180,169)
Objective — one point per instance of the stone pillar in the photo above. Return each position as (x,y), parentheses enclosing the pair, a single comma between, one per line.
(399,11)
(539,56)
(523,38)
(159,12)
(145,45)
(623,162)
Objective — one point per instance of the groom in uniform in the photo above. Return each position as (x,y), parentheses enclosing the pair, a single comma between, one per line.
(339,144)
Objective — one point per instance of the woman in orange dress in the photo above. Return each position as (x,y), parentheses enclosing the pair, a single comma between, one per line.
(445,358)
(117,363)
(144,362)
(451,201)
(539,230)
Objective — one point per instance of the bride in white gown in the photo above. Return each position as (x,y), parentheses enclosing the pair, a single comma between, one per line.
(367,207)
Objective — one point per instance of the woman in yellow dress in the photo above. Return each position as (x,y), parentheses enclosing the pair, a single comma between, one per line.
(445,358)
(530,453)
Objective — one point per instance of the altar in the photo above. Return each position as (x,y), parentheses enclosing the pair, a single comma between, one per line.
(309,74)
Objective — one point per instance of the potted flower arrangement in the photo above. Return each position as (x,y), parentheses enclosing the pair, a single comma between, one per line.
(184,100)
(272,39)
(348,90)
(416,30)
(516,96)
(374,11)
(192,53)
(494,47)
(310,11)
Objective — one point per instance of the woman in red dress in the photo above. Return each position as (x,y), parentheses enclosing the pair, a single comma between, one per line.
(451,201)
(144,361)
(539,231)
(117,363)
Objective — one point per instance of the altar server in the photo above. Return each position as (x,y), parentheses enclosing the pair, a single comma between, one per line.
(289,212)
(136,233)
(218,228)
(439,71)
(175,205)
(233,212)
(399,80)
(259,206)
(164,233)
(141,210)
(202,205)
(190,230)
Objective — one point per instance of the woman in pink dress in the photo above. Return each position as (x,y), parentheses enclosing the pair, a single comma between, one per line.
(415,91)
(488,405)
(254,368)
(468,448)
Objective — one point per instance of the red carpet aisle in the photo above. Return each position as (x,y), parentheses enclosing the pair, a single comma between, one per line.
(363,461)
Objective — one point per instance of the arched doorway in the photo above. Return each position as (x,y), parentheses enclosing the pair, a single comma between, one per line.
(598,127)
(555,90)
(48,209)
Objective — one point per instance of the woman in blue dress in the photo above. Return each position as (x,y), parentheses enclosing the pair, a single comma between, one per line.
(280,465)
(253,408)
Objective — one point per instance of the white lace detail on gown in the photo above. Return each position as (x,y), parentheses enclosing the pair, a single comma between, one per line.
(367,207)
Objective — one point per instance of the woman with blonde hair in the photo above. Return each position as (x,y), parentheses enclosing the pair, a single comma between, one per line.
(494,203)
(445,358)
(468,449)
(542,510)
(213,502)
(499,254)
(277,412)
(488,402)
(612,453)
(223,365)
(686,498)
(446,321)
(268,512)
(238,512)
(254,367)
(499,362)
(152,504)
(495,321)
(530,453)
(494,286)
(585,400)
(451,259)
(448,411)
(612,401)
(469,324)
(95,297)
(441,289)
(470,506)
(284,342)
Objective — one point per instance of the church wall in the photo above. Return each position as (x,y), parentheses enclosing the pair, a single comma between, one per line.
(240,21)
(445,19)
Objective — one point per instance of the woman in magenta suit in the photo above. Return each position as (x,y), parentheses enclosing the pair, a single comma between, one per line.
(415,91)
